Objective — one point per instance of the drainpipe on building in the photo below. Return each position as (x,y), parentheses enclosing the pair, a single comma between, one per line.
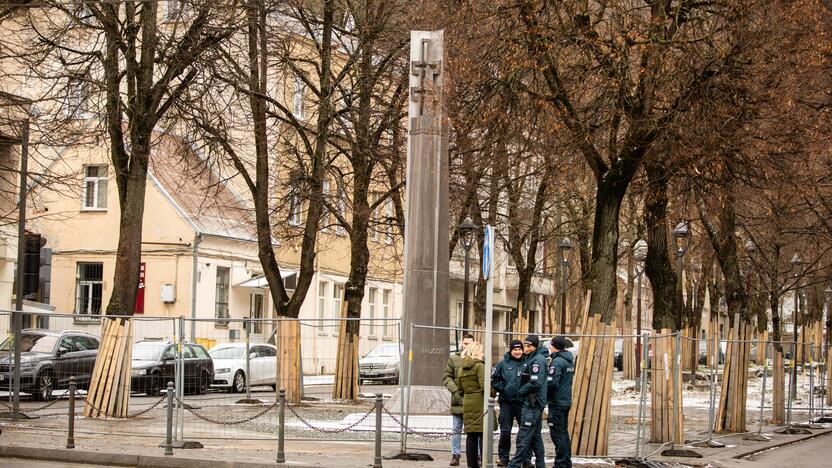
(194,271)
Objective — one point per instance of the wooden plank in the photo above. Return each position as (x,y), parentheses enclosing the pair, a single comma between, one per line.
(586,377)
(127,371)
(96,392)
(114,369)
(577,393)
(601,377)
(590,412)
(606,394)
(96,371)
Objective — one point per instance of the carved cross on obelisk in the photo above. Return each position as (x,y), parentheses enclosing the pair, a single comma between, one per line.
(421,69)
(426,210)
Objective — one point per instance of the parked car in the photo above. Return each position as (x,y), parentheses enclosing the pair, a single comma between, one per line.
(230,366)
(381,364)
(48,359)
(154,365)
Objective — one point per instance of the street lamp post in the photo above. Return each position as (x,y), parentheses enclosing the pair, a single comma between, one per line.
(639,255)
(565,247)
(797,266)
(466,230)
(681,240)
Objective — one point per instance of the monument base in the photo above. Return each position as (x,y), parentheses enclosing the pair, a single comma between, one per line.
(424,399)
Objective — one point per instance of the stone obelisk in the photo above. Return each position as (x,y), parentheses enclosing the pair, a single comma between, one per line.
(426,254)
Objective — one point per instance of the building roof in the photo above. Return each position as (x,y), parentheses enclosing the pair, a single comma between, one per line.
(206,202)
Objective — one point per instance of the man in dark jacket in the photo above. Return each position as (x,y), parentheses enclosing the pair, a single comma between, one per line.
(506,381)
(533,392)
(561,372)
(449,379)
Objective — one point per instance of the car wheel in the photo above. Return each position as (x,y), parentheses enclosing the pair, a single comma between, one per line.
(44,384)
(239,383)
(203,383)
(155,386)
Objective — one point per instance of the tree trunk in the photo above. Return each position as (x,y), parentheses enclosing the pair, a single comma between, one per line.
(666,310)
(724,242)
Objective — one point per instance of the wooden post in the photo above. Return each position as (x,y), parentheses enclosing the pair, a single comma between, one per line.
(778,396)
(288,362)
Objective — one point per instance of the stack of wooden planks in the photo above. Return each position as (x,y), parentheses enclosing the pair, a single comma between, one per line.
(288,358)
(628,351)
(109,392)
(731,413)
(346,376)
(664,381)
(592,387)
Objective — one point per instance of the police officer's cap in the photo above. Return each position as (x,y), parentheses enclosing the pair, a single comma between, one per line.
(532,340)
(560,342)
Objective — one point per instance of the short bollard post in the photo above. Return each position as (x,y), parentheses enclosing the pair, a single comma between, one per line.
(379,403)
(281,455)
(70,433)
(488,456)
(169,431)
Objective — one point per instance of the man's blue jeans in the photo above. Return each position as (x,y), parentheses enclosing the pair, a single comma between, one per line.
(456,439)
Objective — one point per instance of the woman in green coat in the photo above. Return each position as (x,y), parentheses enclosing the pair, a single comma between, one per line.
(471,383)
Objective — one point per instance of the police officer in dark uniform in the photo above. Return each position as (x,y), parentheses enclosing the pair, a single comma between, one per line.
(559,380)
(506,381)
(533,391)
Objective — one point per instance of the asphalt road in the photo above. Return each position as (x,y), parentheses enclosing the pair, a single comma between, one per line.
(812,453)
(20,463)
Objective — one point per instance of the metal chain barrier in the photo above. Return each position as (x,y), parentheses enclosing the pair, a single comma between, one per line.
(427,435)
(330,431)
(226,422)
(87,402)
(33,410)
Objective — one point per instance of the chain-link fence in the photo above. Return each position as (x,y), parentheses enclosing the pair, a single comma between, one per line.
(228,372)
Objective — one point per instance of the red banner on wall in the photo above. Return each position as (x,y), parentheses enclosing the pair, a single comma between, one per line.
(140,293)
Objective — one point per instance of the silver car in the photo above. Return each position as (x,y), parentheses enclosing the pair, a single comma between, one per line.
(381,364)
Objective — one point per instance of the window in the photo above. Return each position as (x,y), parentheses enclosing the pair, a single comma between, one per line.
(337,290)
(89,284)
(295,206)
(221,302)
(198,352)
(170,353)
(388,228)
(173,10)
(298,104)
(95,188)
(374,197)
(341,206)
(322,286)
(324,210)
(68,344)
(460,311)
(371,310)
(256,312)
(385,312)
(75,101)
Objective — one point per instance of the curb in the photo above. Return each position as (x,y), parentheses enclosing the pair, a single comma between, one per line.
(121,459)
(781,444)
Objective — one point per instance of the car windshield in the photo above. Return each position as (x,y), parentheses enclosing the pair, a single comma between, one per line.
(147,351)
(32,343)
(227,353)
(384,351)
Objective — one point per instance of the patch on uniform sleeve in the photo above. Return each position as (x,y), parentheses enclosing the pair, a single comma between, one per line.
(535,368)
(494,372)
(552,370)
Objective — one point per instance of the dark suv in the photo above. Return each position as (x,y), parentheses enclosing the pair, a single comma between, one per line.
(48,359)
(154,365)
